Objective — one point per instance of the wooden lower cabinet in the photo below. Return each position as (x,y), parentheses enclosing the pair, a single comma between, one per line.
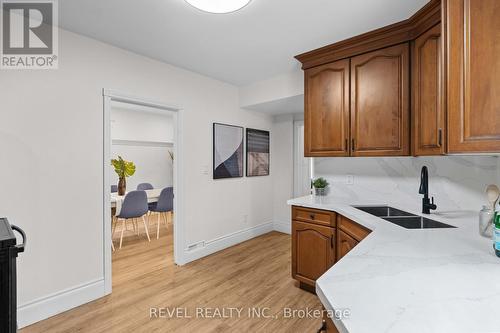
(319,239)
(315,216)
(328,325)
(313,251)
(345,243)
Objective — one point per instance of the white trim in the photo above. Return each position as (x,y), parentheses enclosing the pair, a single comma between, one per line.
(107,267)
(178,182)
(61,301)
(228,240)
(298,160)
(139,143)
(126,98)
(284,227)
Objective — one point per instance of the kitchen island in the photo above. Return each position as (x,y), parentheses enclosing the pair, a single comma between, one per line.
(405,280)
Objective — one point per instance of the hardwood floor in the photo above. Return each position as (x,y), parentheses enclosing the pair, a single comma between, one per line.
(251,275)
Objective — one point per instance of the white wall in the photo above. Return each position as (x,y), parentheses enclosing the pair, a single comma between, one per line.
(141,124)
(498,173)
(51,144)
(144,137)
(456,182)
(275,88)
(282,170)
(152,162)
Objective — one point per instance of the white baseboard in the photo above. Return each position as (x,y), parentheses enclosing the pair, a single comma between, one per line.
(226,241)
(56,303)
(64,300)
(284,227)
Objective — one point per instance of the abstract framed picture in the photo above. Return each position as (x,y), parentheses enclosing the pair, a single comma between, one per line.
(228,151)
(258,156)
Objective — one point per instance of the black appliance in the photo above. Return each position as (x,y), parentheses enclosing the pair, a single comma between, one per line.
(8,286)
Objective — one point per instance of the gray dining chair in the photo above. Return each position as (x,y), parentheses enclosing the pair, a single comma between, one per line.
(164,205)
(134,206)
(114,188)
(144,187)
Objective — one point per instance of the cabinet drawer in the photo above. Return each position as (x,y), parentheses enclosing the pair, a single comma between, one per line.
(353,229)
(317,216)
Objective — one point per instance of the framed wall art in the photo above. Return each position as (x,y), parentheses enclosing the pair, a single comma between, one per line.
(258,153)
(227,151)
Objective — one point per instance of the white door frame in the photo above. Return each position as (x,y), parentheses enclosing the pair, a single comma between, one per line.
(108,97)
(298,157)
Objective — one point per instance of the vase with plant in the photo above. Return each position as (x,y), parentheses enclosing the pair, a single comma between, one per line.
(320,185)
(123,169)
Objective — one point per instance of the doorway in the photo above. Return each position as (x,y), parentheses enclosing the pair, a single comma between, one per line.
(110,100)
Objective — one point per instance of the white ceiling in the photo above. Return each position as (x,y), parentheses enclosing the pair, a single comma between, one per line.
(255,43)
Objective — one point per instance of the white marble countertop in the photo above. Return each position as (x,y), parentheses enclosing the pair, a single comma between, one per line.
(403,280)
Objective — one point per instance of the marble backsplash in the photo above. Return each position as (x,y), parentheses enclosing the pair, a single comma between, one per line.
(456,182)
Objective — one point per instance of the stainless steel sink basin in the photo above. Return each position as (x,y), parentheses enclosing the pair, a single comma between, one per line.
(417,222)
(402,218)
(383,211)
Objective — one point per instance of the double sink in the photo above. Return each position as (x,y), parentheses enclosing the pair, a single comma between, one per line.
(402,218)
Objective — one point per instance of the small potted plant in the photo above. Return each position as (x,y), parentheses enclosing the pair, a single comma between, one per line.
(320,185)
(123,169)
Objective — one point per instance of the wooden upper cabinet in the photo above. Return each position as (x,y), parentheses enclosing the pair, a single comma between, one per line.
(473,37)
(313,251)
(380,102)
(326,114)
(429,130)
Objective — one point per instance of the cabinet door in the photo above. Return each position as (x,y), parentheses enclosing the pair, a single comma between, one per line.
(379,102)
(313,251)
(428,98)
(473,75)
(345,243)
(326,113)
(329,326)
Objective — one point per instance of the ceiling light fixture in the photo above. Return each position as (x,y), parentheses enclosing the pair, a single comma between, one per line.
(218,6)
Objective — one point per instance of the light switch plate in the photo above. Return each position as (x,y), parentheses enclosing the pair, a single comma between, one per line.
(350,180)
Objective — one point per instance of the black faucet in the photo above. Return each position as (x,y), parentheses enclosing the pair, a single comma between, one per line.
(427,205)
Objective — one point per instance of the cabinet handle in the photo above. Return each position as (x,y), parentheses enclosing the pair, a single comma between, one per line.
(346,144)
(440,137)
(331,241)
(323,327)
(353,145)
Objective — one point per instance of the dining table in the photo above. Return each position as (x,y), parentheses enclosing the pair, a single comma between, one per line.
(117,200)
